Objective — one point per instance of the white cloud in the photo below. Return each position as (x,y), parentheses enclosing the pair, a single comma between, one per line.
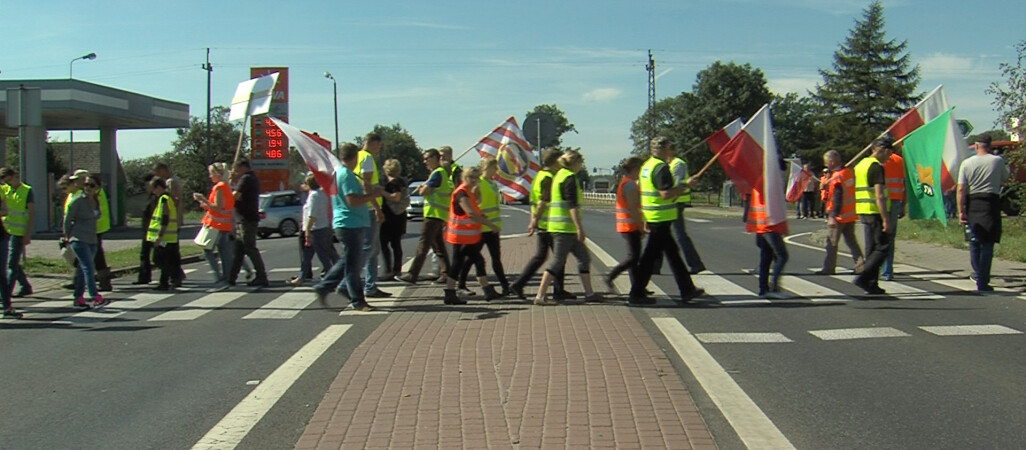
(798,85)
(948,66)
(602,94)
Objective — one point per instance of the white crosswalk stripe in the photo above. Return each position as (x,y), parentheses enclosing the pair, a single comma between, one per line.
(858,333)
(201,306)
(285,306)
(812,291)
(898,290)
(969,330)
(116,308)
(726,291)
(742,338)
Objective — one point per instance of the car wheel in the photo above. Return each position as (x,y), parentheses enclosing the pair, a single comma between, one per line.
(264,234)
(288,228)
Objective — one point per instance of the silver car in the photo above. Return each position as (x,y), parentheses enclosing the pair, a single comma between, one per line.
(280,212)
(416,209)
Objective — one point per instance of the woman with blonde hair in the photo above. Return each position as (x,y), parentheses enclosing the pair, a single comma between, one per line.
(219,205)
(488,199)
(463,231)
(397,198)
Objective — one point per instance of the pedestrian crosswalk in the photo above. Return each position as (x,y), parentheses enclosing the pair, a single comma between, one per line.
(853,334)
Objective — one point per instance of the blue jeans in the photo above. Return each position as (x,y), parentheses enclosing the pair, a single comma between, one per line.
(981,255)
(5,289)
(887,269)
(85,273)
(771,250)
(691,257)
(352,258)
(372,248)
(320,245)
(15,259)
(224,252)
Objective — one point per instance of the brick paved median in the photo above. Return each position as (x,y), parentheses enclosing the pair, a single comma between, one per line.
(506,375)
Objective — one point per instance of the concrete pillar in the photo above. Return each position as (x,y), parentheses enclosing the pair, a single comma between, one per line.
(33,163)
(109,171)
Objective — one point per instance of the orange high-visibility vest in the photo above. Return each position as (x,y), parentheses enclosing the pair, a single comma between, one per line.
(758,217)
(461,229)
(823,191)
(894,172)
(624,221)
(843,179)
(220,219)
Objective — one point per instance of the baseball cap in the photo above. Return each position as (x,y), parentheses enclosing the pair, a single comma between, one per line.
(80,173)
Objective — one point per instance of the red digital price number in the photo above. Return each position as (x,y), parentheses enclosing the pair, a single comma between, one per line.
(268,140)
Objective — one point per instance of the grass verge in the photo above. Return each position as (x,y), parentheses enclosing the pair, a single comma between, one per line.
(1013,236)
(119,259)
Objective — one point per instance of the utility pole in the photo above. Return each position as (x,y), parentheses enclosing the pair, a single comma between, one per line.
(208,68)
(651,94)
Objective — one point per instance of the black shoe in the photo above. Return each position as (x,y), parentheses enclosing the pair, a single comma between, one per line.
(822,272)
(377,293)
(609,282)
(452,299)
(640,301)
(490,293)
(518,292)
(163,288)
(11,313)
(25,292)
(687,298)
(408,278)
(564,295)
(322,297)
(876,290)
(259,282)
(140,282)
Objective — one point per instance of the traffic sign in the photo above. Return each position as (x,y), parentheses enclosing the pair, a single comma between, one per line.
(965,126)
(540,130)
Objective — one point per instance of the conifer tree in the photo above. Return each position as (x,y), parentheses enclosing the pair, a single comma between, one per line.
(870,85)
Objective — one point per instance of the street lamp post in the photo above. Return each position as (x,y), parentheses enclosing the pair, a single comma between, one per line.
(71,133)
(335,90)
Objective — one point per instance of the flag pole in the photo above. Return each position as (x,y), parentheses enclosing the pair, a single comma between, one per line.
(464,153)
(238,148)
(708,164)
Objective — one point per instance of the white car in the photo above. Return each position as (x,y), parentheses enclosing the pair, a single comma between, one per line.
(416,209)
(280,212)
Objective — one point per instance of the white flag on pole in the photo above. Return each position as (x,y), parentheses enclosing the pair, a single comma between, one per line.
(253,97)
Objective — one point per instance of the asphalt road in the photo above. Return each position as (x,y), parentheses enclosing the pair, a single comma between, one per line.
(166,371)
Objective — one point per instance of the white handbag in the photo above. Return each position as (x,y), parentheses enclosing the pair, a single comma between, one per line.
(207,237)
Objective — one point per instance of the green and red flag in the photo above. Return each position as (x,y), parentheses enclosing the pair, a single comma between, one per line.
(932,152)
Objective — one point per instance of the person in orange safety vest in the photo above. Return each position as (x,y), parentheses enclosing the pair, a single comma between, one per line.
(840,213)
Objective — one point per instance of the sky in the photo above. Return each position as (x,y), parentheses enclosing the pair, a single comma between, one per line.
(451,71)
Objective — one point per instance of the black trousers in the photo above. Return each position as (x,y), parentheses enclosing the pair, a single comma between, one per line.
(392,245)
(169,260)
(145,266)
(492,242)
(463,255)
(100,260)
(878,244)
(630,264)
(245,245)
(660,242)
(543,245)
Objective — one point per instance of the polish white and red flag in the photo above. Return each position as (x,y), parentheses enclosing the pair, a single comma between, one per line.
(316,153)
(797,181)
(719,139)
(930,107)
(517,163)
(751,161)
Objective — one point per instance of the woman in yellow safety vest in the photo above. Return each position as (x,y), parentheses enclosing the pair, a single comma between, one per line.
(566,227)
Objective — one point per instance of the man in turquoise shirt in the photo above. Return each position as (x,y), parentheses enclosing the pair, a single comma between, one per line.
(351,220)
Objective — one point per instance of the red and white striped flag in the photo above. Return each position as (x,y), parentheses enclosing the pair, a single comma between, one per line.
(316,153)
(719,139)
(517,163)
(930,107)
(751,161)
(797,181)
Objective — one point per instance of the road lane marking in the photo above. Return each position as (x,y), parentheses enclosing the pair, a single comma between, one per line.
(286,306)
(841,334)
(689,219)
(749,422)
(230,431)
(812,291)
(742,338)
(199,307)
(969,330)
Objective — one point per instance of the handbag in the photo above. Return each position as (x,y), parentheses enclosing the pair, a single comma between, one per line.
(66,252)
(207,237)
